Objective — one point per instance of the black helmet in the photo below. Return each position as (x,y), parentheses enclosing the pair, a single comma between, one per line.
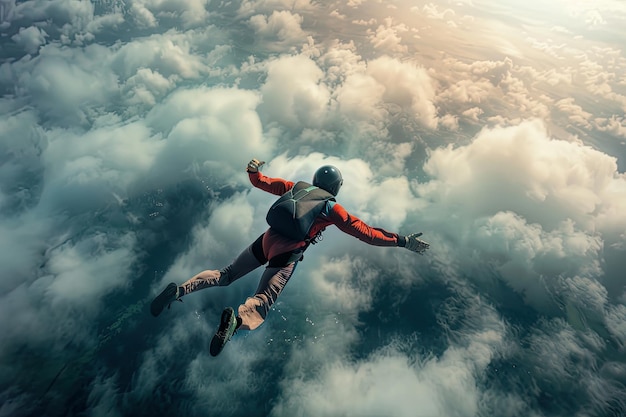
(328,178)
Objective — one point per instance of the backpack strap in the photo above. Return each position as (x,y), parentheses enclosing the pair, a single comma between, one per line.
(328,207)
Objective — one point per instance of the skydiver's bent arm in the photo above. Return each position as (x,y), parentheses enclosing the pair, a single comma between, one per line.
(277,186)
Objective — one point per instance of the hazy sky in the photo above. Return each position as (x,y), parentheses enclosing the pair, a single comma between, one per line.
(496,128)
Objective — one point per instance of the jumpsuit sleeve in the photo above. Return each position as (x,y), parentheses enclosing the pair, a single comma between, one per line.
(276,186)
(354,226)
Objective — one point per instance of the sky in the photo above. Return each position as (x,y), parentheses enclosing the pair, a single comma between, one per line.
(496,128)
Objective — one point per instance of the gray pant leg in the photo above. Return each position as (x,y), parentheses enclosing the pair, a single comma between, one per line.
(256,308)
(243,264)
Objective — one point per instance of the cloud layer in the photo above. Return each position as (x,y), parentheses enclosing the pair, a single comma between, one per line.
(497,130)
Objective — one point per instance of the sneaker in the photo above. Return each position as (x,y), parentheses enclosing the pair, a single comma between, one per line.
(167,296)
(228,325)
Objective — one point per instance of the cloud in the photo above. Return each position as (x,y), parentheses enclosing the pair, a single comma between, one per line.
(79,281)
(75,13)
(391,379)
(64,84)
(535,208)
(340,61)
(102,397)
(335,13)
(148,12)
(171,55)
(450,122)
(616,324)
(407,86)
(21,171)
(360,97)
(467,91)
(522,169)
(30,39)
(126,128)
(57,303)
(369,382)
(280,31)
(575,113)
(532,260)
(293,94)
(22,243)
(146,86)
(593,18)
(614,125)
(7,11)
(79,85)
(431,10)
(473,113)
(86,171)
(387,37)
(207,127)
(250,7)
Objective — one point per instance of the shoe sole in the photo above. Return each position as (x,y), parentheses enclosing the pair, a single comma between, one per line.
(226,322)
(166,297)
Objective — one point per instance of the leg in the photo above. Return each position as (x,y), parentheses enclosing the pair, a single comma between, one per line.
(250,259)
(253,312)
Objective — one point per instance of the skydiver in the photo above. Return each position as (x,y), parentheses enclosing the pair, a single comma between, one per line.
(279,252)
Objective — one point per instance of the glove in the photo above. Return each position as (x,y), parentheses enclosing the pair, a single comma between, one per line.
(254,165)
(413,243)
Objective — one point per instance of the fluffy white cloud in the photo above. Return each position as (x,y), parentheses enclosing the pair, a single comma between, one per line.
(30,38)
(86,170)
(340,61)
(388,38)
(293,94)
(207,126)
(614,125)
(360,97)
(171,55)
(468,91)
(473,113)
(531,260)
(56,304)
(148,12)
(280,31)
(391,380)
(75,13)
(75,22)
(64,84)
(522,169)
(89,269)
(432,11)
(535,208)
(146,86)
(407,86)
(575,113)
(250,7)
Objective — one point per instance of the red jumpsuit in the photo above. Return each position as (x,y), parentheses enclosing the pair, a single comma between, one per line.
(282,253)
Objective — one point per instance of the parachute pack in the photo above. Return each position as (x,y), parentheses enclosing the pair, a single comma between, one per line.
(293,214)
